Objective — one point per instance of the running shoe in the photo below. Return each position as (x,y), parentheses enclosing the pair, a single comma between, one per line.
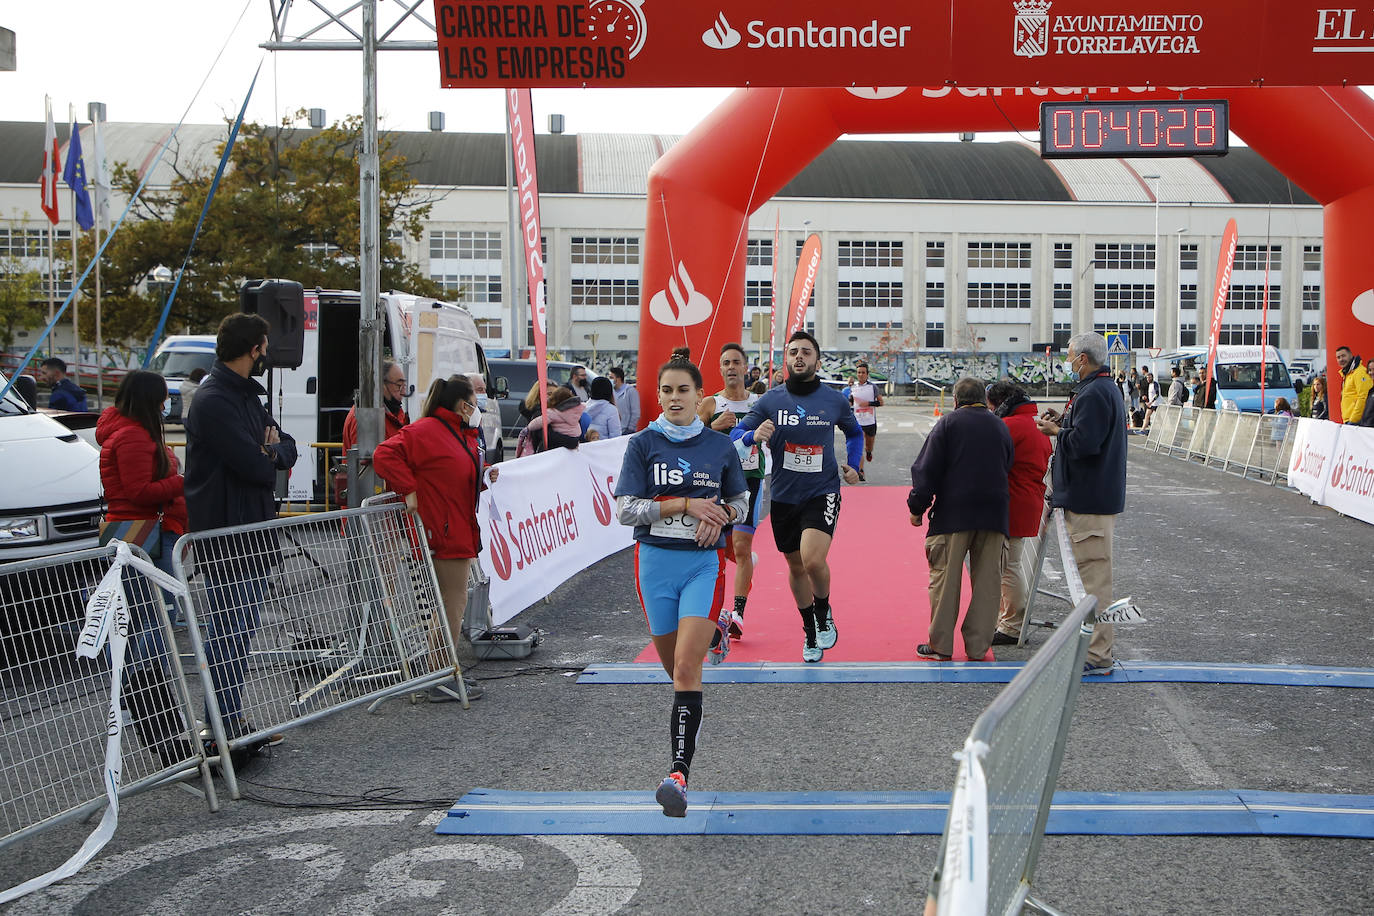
(736,625)
(672,795)
(720,644)
(868,455)
(811,652)
(826,634)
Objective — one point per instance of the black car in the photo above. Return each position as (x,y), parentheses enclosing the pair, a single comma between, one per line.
(520,375)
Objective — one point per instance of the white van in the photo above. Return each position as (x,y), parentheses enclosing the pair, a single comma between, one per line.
(429,339)
(49,484)
(177,357)
(1238,376)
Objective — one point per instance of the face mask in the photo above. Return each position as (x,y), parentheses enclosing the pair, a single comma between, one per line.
(481,402)
(474,419)
(259,365)
(167,407)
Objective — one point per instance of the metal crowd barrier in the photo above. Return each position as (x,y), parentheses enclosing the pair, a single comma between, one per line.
(1034,552)
(1007,776)
(1245,444)
(303,617)
(56,707)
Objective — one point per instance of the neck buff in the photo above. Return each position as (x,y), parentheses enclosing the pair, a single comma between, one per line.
(677,433)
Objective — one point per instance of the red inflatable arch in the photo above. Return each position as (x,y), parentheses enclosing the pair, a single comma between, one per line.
(702,191)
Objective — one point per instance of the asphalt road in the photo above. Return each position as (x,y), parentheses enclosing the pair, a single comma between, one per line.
(1224,569)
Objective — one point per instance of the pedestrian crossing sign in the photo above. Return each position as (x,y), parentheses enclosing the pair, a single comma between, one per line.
(1119,344)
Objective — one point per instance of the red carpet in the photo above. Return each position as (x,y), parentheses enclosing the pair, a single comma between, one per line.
(878,589)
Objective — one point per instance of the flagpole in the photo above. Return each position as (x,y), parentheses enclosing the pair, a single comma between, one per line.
(52,282)
(99,340)
(71,195)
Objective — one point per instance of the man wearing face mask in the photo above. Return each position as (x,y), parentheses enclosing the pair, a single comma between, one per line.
(479,388)
(393,389)
(234,450)
(1089,477)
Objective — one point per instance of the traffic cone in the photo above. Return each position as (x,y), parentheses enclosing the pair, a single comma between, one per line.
(937,412)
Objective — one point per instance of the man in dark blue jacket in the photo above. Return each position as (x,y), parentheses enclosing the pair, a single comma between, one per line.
(66,394)
(962,469)
(233,452)
(1089,477)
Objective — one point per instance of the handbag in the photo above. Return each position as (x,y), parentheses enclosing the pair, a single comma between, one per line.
(145,533)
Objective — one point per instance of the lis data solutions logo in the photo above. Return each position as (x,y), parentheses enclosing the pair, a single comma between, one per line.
(720,35)
(1031,32)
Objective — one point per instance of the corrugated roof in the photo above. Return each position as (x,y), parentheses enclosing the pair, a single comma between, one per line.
(619,164)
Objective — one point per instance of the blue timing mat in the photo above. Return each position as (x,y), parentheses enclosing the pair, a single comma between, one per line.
(491,812)
(984,673)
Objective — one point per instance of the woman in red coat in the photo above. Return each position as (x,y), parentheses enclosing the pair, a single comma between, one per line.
(1031,457)
(436,464)
(141,479)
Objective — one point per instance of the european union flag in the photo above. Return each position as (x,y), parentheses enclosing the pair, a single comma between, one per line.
(75,177)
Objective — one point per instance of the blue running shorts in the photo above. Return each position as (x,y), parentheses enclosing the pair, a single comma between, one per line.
(673,584)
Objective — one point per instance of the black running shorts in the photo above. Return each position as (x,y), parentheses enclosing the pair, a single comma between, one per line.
(790,519)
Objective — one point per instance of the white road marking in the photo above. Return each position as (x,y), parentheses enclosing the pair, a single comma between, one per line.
(608,875)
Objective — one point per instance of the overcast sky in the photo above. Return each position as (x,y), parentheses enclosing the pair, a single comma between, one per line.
(144,60)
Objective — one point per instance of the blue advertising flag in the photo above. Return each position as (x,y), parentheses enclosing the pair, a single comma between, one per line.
(75,176)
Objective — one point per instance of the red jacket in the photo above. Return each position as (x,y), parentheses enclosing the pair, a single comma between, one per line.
(426,458)
(127,469)
(1027,478)
(395,422)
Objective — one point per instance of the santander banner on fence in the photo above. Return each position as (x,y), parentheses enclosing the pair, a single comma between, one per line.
(548,517)
(1313,450)
(1350,480)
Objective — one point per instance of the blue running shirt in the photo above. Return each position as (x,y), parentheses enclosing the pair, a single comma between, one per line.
(802,446)
(706,466)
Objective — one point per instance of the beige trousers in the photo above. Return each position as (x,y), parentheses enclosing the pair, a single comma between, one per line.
(453,590)
(1012,614)
(987,553)
(1091,536)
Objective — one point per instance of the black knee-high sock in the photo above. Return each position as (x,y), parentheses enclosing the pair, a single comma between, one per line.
(808,616)
(684,727)
(739,604)
(822,609)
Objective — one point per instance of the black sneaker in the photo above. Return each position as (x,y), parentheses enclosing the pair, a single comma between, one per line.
(1002,639)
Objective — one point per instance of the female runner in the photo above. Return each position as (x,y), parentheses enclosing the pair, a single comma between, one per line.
(679,485)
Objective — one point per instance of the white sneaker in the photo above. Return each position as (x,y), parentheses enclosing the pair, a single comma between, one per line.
(826,634)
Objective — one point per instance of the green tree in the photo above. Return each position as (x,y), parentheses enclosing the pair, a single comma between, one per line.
(286,207)
(20,290)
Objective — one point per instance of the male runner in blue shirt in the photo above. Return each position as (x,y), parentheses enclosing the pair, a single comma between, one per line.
(797,421)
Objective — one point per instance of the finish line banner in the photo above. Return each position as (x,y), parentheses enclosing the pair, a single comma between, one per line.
(548,517)
(876,43)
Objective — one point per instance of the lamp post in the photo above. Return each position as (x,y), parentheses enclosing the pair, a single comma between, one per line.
(159,280)
(1178,282)
(1155,260)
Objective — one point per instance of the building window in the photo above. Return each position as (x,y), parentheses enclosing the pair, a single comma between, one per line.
(935,254)
(999,254)
(1124,296)
(467,264)
(1187,335)
(1124,256)
(759,253)
(615,250)
(32,243)
(1312,257)
(1251,257)
(1063,330)
(758,295)
(1141,336)
(1187,297)
(604,278)
(1063,295)
(1311,336)
(587,294)
(1187,257)
(935,295)
(1063,254)
(1245,335)
(1252,298)
(868,253)
(1311,298)
(489,328)
(999,295)
(935,335)
(869,304)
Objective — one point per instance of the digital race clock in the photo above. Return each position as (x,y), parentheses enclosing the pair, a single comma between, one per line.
(1090,129)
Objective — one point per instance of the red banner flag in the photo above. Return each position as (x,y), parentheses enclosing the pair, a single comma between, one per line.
(52,167)
(804,282)
(520,111)
(773,304)
(1223,286)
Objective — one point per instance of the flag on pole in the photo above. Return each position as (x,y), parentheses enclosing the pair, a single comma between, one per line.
(52,165)
(520,110)
(101,176)
(75,177)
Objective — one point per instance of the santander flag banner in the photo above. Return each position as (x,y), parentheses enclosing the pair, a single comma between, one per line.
(773,300)
(1350,479)
(804,282)
(1314,446)
(1223,286)
(546,518)
(520,116)
(52,167)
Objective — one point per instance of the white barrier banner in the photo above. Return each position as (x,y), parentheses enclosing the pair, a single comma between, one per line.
(547,517)
(964,876)
(1313,448)
(1350,482)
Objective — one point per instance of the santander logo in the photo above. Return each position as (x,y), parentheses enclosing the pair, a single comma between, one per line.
(720,35)
(680,305)
(601,500)
(500,551)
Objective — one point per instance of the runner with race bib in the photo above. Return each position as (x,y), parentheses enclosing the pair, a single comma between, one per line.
(796,421)
(866,397)
(680,485)
(722,412)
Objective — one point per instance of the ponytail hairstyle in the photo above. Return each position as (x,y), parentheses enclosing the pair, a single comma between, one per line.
(446,393)
(140,398)
(682,361)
